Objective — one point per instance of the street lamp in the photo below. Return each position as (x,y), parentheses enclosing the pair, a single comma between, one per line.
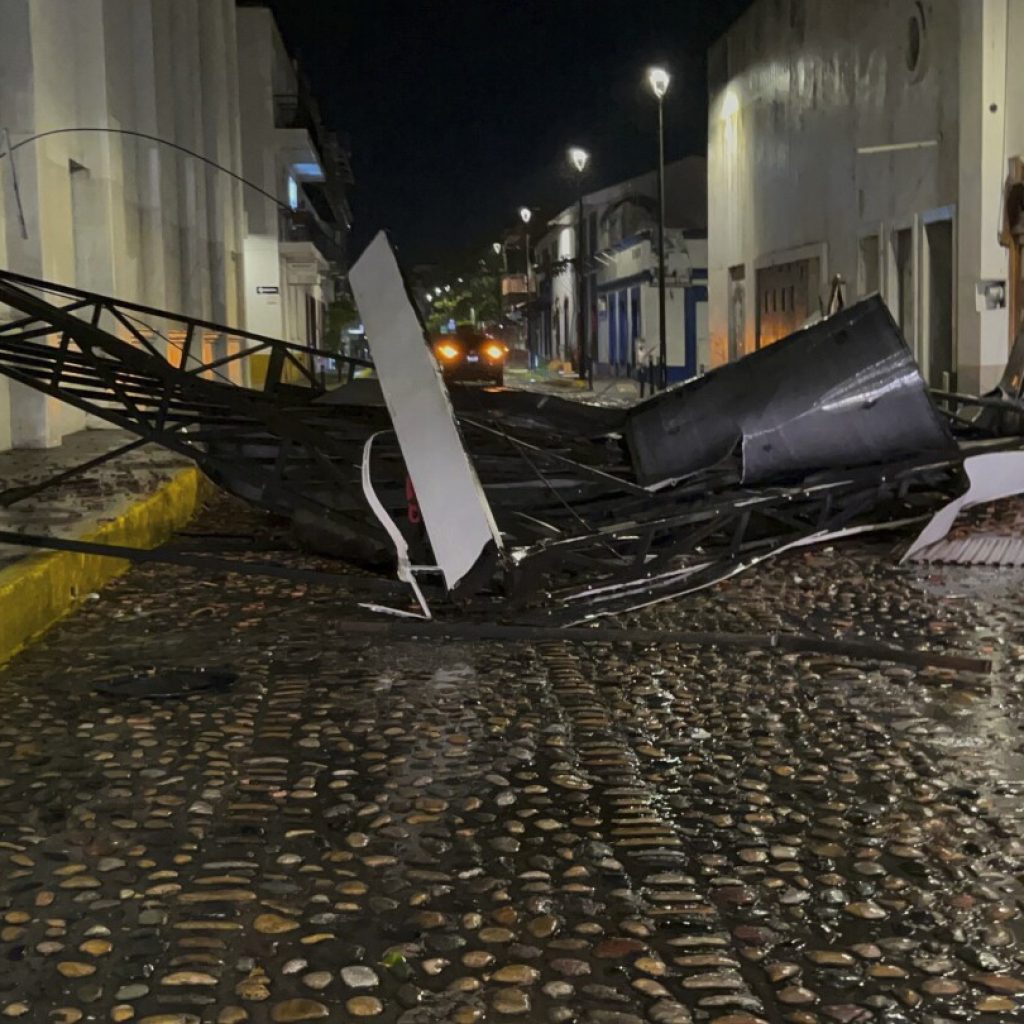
(579,158)
(525,214)
(658,79)
(499,250)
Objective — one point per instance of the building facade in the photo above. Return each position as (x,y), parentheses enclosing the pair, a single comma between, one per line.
(619,283)
(115,213)
(294,251)
(867,140)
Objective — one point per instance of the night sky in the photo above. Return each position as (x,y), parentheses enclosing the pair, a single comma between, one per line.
(460,111)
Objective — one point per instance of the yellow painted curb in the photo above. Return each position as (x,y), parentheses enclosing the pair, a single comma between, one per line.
(39,590)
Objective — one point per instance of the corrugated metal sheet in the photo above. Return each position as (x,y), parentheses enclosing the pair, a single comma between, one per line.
(975,549)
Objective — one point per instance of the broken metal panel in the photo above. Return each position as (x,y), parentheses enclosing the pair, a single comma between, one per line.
(844,392)
(978,549)
(992,476)
(455,510)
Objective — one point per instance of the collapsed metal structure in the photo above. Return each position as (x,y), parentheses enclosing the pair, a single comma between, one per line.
(584,511)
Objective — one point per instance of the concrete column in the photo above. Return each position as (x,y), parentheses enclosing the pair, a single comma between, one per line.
(982,345)
(186,105)
(28,99)
(236,215)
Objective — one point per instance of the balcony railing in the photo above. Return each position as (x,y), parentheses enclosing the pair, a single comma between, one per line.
(304,226)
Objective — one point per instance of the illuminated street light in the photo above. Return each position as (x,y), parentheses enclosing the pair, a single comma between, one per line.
(579,158)
(447,287)
(496,246)
(437,290)
(525,213)
(658,79)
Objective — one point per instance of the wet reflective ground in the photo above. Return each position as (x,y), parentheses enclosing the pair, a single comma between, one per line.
(461,832)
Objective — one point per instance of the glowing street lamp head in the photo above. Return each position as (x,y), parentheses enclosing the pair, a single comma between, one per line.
(579,158)
(525,213)
(437,290)
(497,248)
(658,79)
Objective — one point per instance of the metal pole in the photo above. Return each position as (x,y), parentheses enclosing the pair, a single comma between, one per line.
(586,370)
(662,335)
(526,308)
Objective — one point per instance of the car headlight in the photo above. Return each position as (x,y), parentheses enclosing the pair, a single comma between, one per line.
(495,351)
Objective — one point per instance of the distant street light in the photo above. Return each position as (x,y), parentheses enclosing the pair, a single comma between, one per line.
(500,250)
(447,287)
(437,290)
(579,158)
(658,79)
(525,213)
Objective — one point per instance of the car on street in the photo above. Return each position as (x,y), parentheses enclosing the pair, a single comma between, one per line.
(469,354)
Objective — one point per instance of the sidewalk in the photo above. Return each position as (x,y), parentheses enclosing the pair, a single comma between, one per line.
(137,499)
(615,391)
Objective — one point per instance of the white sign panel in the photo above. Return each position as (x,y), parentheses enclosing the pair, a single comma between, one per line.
(455,510)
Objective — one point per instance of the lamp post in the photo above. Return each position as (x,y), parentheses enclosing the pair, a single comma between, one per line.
(525,214)
(658,79)
(499,250)
(579,158)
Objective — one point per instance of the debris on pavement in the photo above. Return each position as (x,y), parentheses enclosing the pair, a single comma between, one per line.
(553,511)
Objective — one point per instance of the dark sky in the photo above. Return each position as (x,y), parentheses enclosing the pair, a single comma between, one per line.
(460,111)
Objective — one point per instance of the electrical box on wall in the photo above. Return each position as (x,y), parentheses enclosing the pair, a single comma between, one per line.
(990,295)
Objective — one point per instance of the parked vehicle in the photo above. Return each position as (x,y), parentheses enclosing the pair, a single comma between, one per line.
(468,354)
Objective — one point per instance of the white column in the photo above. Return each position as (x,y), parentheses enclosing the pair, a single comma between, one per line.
(982,345)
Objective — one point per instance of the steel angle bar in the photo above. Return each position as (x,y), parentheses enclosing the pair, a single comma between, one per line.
(51,287)
(208,563)
(598,474)
(672,586)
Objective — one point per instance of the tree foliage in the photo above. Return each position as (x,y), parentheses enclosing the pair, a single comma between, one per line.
(477,299)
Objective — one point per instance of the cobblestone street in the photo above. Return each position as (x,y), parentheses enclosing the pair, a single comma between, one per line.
(458,832)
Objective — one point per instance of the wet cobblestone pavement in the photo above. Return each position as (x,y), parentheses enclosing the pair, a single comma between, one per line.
(461,832)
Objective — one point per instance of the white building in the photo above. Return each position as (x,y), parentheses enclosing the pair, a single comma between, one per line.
(868,139)
(120,215)
(291,258)
(628,316)
(620,286)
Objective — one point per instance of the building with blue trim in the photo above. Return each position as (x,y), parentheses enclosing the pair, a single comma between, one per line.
(619,283)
